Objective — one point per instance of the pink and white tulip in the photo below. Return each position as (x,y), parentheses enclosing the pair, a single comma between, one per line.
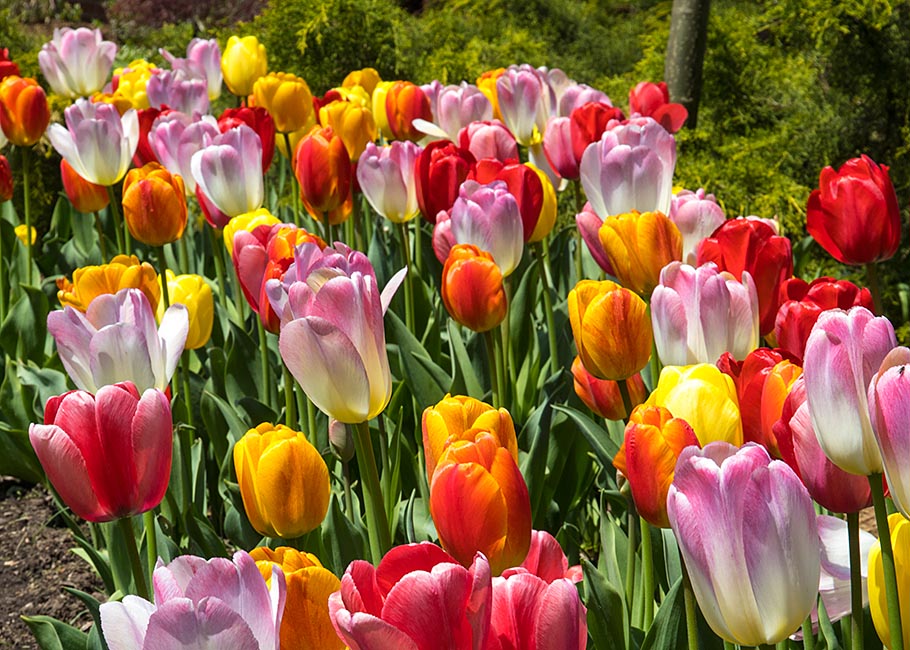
(173,89)
(589,224)
(889,406)
(526,102)
(578,95)
(386,177)
(557,146)
(174,137)
(228,171)
(454,108)
(203,61)
(77,62)
(697,215)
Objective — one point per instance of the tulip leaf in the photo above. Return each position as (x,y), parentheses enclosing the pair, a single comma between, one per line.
(602,443)
(90,554)
(17,458)
(225,432)
(606,611)
(536,434)
(204,540)
(23,333)
(463,368)
(47,383)
(95,641)
(344,541)
(52,634)
(428,382)
(668,631)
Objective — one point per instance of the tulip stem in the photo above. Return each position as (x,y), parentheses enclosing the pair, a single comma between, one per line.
(377,521)
(647,568)
(808,636)
(579,206)
(162,274)
(295,188)
(884,537)
(101,245)
(118,225)
(541,250)
(129,539)
(264,388)
(4,283)
(219,267)
(494,370)
(27,203)
(630,560)
(508,366)
(151,541)
(874,288)
(623,385)
(856,582)
(691,608)
(183,253)
(290,405)
(408,286)
(348,499)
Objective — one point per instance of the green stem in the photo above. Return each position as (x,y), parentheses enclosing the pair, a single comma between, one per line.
(377,522)
(186,437)
(162,272)
(543,258)
(290,405)
(647,568)
(118,222)
(27,203)
(129,539)
(508,367)
(356,219)
(626,398)
(101,245)
(856,582)
(295,190)
(183,253)
(691,609)
(264,388)
(348,498)
(418,247)
(151,541)
(808,635)
(884,537)
(218,256)
(494,369)
(630,559)
(579,242)
(310,419)
(408,287)
(4,283)
(874,287)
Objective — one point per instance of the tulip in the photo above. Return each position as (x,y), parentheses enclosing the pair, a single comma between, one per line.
(472,288)
(589,225)
(829,485)
(6,180)
(172,89)
(525,102)
(577,95)
(854,214)
(638,246)
(802,303)
(386,178)
(652,444)
(404,103)
(844,351)
(24,113)
(305,622)
(8,68)
(455,108)
(488,139)
(107,455)
(900,541)
(258,119)
(123,272)
(603,396)
(440,170)
(117,339)
(653,100)
(479,503)
(748,534)
(888,410)
(175,137)
(228,172)
(353,123)
(97,142)
(193,292)
(486,83)
(332,339)
(242,63)
(129,85)
(203,61)
(418,598)
(588,122)
(547,561)
(697,215)
(86,197)
(154,205)
(531,189)
(77,62)
(288,100)
(144,153)
(20,232)
(199,603)
(366,78)
(704,397)
(557,145)
(323,169)
(247,222)
(283,481)
(751,244)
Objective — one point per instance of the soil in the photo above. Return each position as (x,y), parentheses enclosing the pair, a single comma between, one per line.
(35,564)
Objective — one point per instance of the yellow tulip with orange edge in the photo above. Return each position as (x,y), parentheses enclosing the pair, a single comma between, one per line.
(154,205)
(247,221)
(639,245)
(547,218)
(123,272)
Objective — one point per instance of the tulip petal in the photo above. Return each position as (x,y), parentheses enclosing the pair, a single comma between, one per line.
(152,433)
(73,335)
(175,327)
(119,352)
(210,624)
(365,632)
(561,619)
(124,624)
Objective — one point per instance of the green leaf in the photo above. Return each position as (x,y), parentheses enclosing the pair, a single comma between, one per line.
(536,433)
(602,444)
(52,634)
(463,369)
(95,640)
(343,540)
(428,382)
(204,540)
(606,612)
(668,631)
(23,333)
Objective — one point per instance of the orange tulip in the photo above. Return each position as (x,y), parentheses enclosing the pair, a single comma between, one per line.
(653,441)
(123,272)
(404,103)
(638,245)
(611,327)
(774,393)
(353,122)
(323,169)
(154,205)
(602,396)
(85,196)
(464,418)
(479,502)
(472,288)
(24,112)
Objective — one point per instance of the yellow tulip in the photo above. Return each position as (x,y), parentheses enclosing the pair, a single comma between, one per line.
(878,605)
(288,100)
(367,78)
(547,218)
(704,397)
(248,221)
(194,292)
(242,63)
(306,623)
(131,83)
(638,246)
(352,122)
(123,272)
(283,480)
(486,83)
(20,231)
(379,113)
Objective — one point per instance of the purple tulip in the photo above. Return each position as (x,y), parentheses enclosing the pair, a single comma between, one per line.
(174,137)
(201,603)
(203,61)
(77,62)
(748,534)
(697,216)
(229,171)
(386,177)
(889,406)
(173,89)
(488,139)
(526,102)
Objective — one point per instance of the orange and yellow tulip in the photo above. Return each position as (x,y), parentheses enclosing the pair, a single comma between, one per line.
(154,205)
(404,103)
(288,100)
(323,169)
(353,122)
(638,245)
(123,272)
(85,196)
(602,396)
(486,83)
(472,288)
(24,112)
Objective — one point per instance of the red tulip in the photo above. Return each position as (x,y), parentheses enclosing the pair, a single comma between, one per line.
(523,183)
(24,112)
(6,180)
(258,119)
(854,214)
(440,170)
(144,152)
(8,68)
(653,100)
(324,171)
(588,123)
(602,395)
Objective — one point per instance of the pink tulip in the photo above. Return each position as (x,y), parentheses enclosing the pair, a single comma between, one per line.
(697,216)
(531,614)
(203,61)
(228,172)
(589,226)
(748,534)
(557,145)
(526,102)
(578,95)
(889,406)
(418,598)
(386,178)
(488,139)
(77,62)
(843,353)
(174,137)
(546,560)
(108,455)
(454,108)
(630,168)
(201,603)
(174,90)
(117,339)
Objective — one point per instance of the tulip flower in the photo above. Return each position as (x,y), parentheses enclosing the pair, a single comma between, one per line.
(154,205)
(900,542)
(479,503)
(802,303)
(829,485)
(557,146)
(199,603)
(440,170)
(193,292)
(366,78)
(404,103)
(486,83)
(8,68)
(6,180)
(117,339)
(589,225)
(248,222)
(844,351)
(547,561)
(704,397)
(653,100)
(123,272)
(526,102)
(353,122)
(602,396)
(531,189)
(588,122)
(464,418)
(488,139)
(472,288)
(20,232)
(174,138)
(386,178)
(288,100)
(108,455)
(417,596)
(258,119)
(455,108)
(174,90)
(697,215)
(86,197)
(228,172)
(242,63)
(611,329)
(652,444)
(144,153)
(77,62)
(854,214)
(97,142)
(129,85)
(24,112)
(577,95)
(748,534)
(283,481)
(323,169)
(638,246)
(888,392)
(203,61)
(751,244)
(305,622)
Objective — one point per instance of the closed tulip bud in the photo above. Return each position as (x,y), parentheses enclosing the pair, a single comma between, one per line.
(366,78)
(762,592)
(611,329)
(323,168)
(144,152)
(653,441)
(704,397)
(258,119)
(587,124)
(774,393)
(173,90)
(386,178)
(154,205)
(602,396)
(653,100)
(86,197)
(107,455)
(77,62)
(888,396)
(354,123)
(404,103)
(557,145)
(878,604)
(528,612)
(283,481)
(440,170)
(697,215)
(24,112)
(228,173)
(479,503)
(488,139)
(6,180)
(242,63)
(123,272)
(22,231)
(288,100)
(639,246)
(377,101)
(854,214)
(193,292)
(305,622)
(472,288)
(341,440)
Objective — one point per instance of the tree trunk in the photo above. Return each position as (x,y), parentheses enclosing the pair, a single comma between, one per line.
(686,54)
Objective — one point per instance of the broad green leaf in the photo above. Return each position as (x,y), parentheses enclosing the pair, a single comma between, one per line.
(52,634)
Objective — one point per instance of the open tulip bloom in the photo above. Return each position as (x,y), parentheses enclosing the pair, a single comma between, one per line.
(77,62)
